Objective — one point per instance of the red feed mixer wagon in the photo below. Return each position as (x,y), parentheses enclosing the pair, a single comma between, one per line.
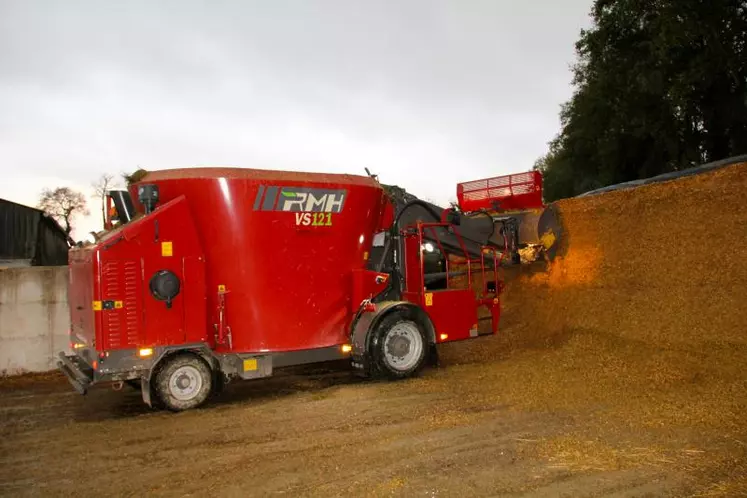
(216,274)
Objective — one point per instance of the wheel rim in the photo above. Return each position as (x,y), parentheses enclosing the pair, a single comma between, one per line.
(185,383)
(403,346)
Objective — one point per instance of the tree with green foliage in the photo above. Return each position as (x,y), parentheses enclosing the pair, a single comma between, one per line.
(660,86)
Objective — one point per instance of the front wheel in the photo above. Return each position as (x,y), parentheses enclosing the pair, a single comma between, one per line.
(183,382)
(399,346)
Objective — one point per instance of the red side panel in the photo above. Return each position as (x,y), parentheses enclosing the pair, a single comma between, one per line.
(167,240)
(163,325)
(195,299)
(130,316)
(453,312)
(80,295)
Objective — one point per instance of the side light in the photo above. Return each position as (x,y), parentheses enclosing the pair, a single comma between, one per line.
(95,364)
(145,352)
(443,337)
(346,348)
(77,345)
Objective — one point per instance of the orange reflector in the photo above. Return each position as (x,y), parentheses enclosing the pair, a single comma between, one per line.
(95,364)
(145,352)
(443,337)
(346,348)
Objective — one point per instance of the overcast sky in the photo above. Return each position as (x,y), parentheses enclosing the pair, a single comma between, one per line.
(424,93)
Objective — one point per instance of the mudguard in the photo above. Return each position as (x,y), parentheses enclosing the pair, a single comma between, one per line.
(360,336)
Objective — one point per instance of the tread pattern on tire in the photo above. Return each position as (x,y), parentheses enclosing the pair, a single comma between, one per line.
(380,367)
(163,375)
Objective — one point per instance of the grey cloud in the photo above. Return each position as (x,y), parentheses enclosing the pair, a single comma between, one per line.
(462,89)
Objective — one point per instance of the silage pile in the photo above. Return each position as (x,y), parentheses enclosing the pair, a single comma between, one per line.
(642,317)
(664,265)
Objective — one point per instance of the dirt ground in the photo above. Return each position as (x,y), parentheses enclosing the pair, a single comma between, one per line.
(619,371)
(327,434)
(509,425)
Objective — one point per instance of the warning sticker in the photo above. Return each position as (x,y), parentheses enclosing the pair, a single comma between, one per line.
(167,249)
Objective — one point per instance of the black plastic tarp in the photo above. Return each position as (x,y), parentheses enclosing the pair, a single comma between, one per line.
(696,170)
(28,234)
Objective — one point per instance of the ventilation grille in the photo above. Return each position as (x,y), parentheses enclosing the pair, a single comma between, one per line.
(120,283)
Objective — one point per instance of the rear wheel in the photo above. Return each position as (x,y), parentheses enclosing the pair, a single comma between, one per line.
(399,346)
(183,382)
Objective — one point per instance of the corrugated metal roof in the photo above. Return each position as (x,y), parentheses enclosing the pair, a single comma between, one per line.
(27,233)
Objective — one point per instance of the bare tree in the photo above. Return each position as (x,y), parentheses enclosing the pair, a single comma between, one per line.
(62,204)
(100,188)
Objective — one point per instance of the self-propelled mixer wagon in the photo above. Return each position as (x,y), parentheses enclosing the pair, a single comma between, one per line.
(214,274)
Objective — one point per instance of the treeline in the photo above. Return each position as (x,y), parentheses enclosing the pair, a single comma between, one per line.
(660,86)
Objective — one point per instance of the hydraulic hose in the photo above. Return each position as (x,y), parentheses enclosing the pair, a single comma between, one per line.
(436,216)
(395,227)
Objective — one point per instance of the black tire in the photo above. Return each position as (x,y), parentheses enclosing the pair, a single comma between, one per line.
(183,382)
(399,345)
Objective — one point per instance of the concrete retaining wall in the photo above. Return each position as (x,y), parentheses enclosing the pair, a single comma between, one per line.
(34,318)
